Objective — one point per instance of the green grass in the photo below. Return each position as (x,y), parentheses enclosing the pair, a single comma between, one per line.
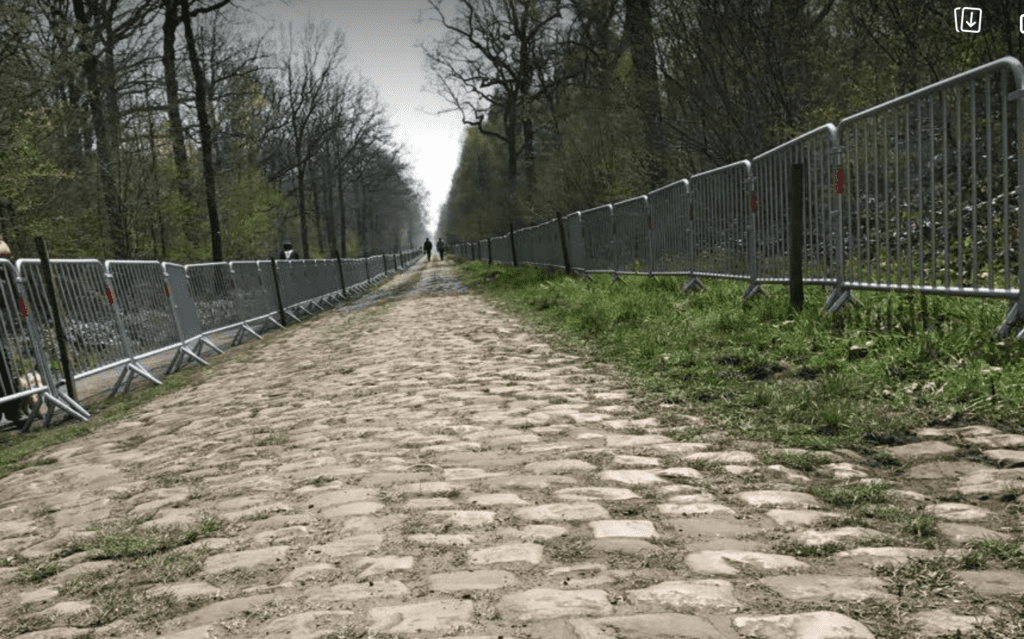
(126,538)
(853,494)
(763,371)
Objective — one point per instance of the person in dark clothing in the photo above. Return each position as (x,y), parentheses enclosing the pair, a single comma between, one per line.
(440,249)
(426,248)
(287,253)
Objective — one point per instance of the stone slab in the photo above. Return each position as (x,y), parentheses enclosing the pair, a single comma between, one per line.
(471,580)
(807,625)
(507,553)
(719,562)
(549,603)
(827,587)
(443,615)
(245,559)
(704,595)
(623,528)
(778,499)
(581,511)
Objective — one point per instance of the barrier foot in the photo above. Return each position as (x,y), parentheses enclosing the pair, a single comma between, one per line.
(1012,317)
(616,278)
(128,374)
(179,357)
(205,341)
(753,289)
(694,284)
(270,319)
(56,400)
(837,299)
(237,339)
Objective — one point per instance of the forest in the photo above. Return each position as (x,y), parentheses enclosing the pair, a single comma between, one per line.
(190,131)
(571,104)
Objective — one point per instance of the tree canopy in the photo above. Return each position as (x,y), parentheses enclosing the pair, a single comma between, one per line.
(188,130)
(634,94)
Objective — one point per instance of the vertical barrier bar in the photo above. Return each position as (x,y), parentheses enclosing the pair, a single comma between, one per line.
(51,294)
(796,236)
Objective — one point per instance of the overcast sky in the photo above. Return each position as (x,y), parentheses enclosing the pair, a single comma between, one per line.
(381,43)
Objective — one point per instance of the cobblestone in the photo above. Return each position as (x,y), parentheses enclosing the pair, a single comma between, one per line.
(420,464)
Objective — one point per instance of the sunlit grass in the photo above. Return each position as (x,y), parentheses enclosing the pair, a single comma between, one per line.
(868,375)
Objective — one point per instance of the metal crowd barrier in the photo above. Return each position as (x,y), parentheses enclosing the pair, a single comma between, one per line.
(116,314)
(672,224)
(919,193)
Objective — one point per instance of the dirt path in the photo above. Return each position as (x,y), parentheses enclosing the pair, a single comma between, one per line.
(420,465)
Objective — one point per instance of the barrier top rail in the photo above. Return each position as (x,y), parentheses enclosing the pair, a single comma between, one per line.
(1009,62)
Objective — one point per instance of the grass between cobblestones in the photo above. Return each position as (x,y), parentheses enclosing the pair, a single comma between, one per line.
(868,375)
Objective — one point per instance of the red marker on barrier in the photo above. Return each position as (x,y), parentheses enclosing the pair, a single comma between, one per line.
(167,291)
(22,307)
(839,180)
(110,296)
(753,202)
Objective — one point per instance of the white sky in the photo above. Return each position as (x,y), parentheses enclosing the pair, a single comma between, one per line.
(381,44)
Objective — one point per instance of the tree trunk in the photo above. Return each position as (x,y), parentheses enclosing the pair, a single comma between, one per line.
(638,29)
(303,228)
(341,207)
(177,130)
(316,214)
(205,135)
(332,219)
(98,98)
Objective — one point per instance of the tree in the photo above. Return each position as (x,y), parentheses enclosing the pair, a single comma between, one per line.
(102,26)
(308,66)
(639,32)
(489,63)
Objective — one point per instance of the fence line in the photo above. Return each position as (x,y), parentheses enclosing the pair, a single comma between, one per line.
(917,194)
(118,313)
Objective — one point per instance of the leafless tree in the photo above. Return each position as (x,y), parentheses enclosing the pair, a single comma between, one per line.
(490,65)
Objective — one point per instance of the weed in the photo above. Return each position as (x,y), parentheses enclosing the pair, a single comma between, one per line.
(127,538)
(853,494)
(37,571)
(981,552)
(569,549)
(802,461)
(797,549)
(921,579)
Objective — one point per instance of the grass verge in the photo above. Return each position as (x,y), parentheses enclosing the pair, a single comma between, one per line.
(868,375)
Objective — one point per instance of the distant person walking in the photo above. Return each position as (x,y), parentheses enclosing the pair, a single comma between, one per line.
(440,249)
(426,248)
(287,253)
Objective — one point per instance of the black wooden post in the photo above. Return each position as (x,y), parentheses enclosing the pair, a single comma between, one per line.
(512,241)
(341,271)
(58,324)
(565,247)
(277,288)
(796,236)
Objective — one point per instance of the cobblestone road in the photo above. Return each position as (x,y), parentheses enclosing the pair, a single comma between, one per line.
(418,464)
